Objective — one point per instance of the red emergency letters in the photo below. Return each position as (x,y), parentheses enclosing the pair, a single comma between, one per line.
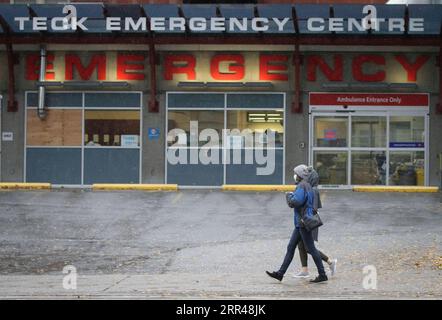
(221,67)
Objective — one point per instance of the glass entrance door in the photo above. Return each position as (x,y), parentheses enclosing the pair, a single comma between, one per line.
(369,148)
(330,149)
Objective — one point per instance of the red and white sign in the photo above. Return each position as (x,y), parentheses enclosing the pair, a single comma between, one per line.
(369,99)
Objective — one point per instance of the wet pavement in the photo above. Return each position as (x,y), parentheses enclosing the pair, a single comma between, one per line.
(213,244)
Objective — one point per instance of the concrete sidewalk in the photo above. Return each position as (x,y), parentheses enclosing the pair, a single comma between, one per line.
(205,286)
(209,244)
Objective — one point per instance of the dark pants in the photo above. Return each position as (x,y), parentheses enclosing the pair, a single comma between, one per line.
(301,235)
(303,254)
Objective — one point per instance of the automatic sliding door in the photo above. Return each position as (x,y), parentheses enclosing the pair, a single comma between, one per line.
(382,148)
(368,150)
(331,166)
(407,150)
(368,167)
(330,149)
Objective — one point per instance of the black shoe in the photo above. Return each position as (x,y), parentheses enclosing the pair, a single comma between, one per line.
(319,279)
(275,275)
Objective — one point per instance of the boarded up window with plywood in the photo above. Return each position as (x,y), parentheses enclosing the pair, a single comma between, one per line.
(60,128)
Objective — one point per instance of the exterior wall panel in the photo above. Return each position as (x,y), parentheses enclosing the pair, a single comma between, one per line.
(297,126)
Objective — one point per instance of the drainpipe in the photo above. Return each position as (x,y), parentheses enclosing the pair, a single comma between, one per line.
(1,115)
(153,103)
(12,103)
(297,104)
(439,62)
(41,112)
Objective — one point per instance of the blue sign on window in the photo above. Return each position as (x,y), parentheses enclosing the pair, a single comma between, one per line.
(406,144)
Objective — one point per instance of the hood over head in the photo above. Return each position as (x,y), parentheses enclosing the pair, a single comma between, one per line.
(313,177)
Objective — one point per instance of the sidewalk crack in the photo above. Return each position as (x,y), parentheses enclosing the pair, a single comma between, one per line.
(116,283)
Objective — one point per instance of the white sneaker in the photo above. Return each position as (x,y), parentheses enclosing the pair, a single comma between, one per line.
(301,274)
(332,266)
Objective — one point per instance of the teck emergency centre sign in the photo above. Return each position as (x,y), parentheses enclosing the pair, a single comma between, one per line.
(68,20)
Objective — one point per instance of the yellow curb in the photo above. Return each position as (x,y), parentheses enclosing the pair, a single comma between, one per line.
(142,187)
(257,187)
(25,185)
(395,189)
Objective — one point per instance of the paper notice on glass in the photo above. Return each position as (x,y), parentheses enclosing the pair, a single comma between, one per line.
(129,140)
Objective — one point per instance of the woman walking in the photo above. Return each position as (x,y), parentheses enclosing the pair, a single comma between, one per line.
(313,180)
(302,200)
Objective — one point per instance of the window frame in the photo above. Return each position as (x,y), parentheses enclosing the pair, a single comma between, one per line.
(82,146)
(387,112)
(225,109)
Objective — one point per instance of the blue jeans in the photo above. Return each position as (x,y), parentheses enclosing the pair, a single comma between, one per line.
(300,234)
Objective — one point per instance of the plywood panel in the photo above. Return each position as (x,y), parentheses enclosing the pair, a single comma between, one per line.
(60,128)
(72,128)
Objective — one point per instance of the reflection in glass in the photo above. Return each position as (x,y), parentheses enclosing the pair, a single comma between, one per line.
(205,120)
(330,131)
(368,131)
(368,168)
(407,129)
(331,167)
(407,168)
(259,123)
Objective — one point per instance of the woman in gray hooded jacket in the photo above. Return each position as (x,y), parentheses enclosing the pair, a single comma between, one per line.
(301,200)
(313,180)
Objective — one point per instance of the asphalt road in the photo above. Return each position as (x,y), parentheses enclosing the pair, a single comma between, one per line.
(213,244)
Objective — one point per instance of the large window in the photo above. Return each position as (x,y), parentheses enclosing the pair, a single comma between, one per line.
(86,138)
(112,128)
(331,166)
(407,168)
(368,132)
(331,132)
(368,167)
(199,120)
(238,134)
(377,148)
(407,131)
(257,123)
